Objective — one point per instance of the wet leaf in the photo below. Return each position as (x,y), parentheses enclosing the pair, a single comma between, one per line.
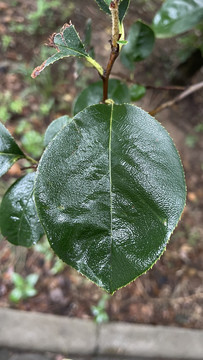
(109,192)
(55,127)
(19,221)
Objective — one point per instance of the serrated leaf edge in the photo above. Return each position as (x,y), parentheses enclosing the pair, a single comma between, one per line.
(37,71)
(171,232)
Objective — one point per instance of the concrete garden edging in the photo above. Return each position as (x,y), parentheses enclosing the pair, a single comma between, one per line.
(30,331)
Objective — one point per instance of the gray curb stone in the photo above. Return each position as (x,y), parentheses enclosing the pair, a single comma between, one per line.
(38,332)
(151,342)
(43,332)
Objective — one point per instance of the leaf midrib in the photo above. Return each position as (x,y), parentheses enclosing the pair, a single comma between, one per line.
(110,189)
(23,214)
(9,154)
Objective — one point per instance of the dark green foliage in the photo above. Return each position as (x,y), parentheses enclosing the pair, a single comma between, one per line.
(55,127)
(177,16)
(19,221)
(110,197)
(140,44)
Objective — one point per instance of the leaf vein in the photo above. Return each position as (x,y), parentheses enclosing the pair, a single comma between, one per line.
(110,188)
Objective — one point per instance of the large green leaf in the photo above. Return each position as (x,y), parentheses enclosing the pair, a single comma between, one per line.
(19,221)
(177,16)
(140,44)
(93,94)
(109,192)
(67,43)
(55,127)
(9,150)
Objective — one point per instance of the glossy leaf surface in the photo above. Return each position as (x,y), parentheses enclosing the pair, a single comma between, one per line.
(177,16)
(55,127)
(19,221)
(67,43)
(9,150)
(110,190)
(140,44)
(93,94)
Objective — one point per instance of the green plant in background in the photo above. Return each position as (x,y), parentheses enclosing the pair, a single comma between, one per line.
(10,106)
(44,248)
(33,143)
(43,9)
(99,311)
(109,188)
(23,287)
(6,41)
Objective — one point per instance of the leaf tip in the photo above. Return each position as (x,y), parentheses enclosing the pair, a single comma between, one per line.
(38,70)
(65,26)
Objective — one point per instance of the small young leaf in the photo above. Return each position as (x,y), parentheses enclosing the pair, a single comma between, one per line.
(67,43)
(19,221)
(140,44)
(9,150)
(123,7)
(55,127)
(122,42)
(109,192)
(16,295)
(32,279)
(137,92)
(104,5)
(177,16)
(18,280)
(29,292)
(118,91)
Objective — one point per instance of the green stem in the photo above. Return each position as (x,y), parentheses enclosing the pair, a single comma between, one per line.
(96,65)
(30,159)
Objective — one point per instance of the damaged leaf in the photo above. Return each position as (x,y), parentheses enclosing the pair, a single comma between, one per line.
(67,43)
